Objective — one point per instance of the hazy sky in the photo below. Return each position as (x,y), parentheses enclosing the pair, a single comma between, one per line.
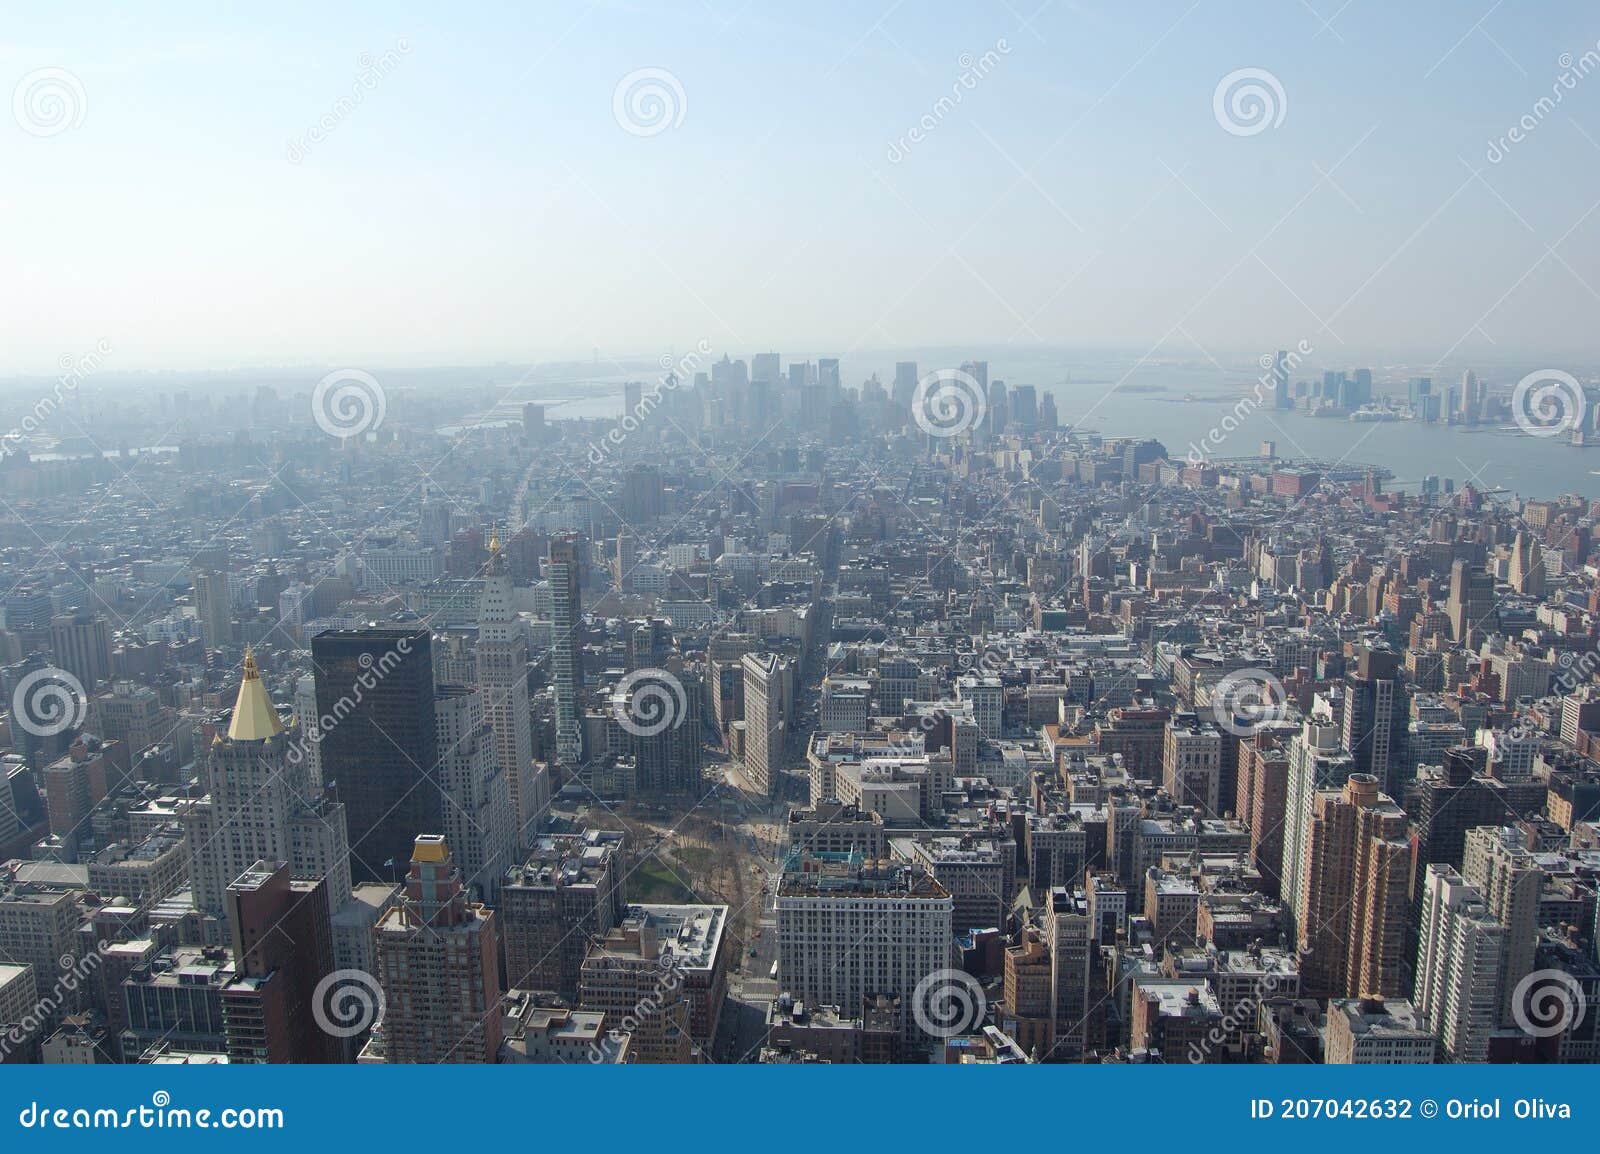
(483,202)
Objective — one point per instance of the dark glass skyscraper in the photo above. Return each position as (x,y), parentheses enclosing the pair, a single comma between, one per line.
(379,744)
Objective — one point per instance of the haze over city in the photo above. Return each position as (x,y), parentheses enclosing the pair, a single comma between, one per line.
(1048,535)
(479,202)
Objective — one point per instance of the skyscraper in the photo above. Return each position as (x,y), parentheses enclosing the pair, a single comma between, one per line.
(1458,965)
(533,426)
(439,965)
(1316,762)
(1352,937)
(212,607)
(1376,717)
(503,675)
(566,892)
(479,821)
(1280,381)
(844,934)
(1472,603)
(259,805)
(82,645)
(566,646)
(764,367)
(905,383)
(282,949)
(380,747)
(666,752)
(764,675)
(1503,871)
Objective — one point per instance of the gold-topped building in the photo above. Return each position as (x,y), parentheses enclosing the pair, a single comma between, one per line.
(260,805)
(254,716)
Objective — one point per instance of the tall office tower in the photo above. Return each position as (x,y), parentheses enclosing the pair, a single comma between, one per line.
(1458,965)
(1501,868)
(479,821)
(433,522)
(259,805)
(1580,713)
(1447,801)
(213,607)
(533,426)
(999,414)
(503,676)
(828,377)
(1025,406)
(282,948)
(1352,939)
(978,371)
(988,697)
(381,754)
(1316,762)
(1280,381)
(765,727)
(1527,574)
(1361,387)
(664,745)
(1376,718)
(1047,412)
(1416,389)
(1472,604)
(627,559)
(764,368)
(308,727)
(82,645)
(439,965)
(1471,397)
(633,398)
(905,383)
(1069,938)
(643,495)
(566,647)
(566,892)
(846,933)
(1191,763)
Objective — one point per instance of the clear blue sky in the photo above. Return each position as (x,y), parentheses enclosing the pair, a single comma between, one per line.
(483,203)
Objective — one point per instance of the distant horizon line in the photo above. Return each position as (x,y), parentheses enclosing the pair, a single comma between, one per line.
(649,364)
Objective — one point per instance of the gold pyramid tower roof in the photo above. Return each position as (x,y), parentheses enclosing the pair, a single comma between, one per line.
(254,718)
